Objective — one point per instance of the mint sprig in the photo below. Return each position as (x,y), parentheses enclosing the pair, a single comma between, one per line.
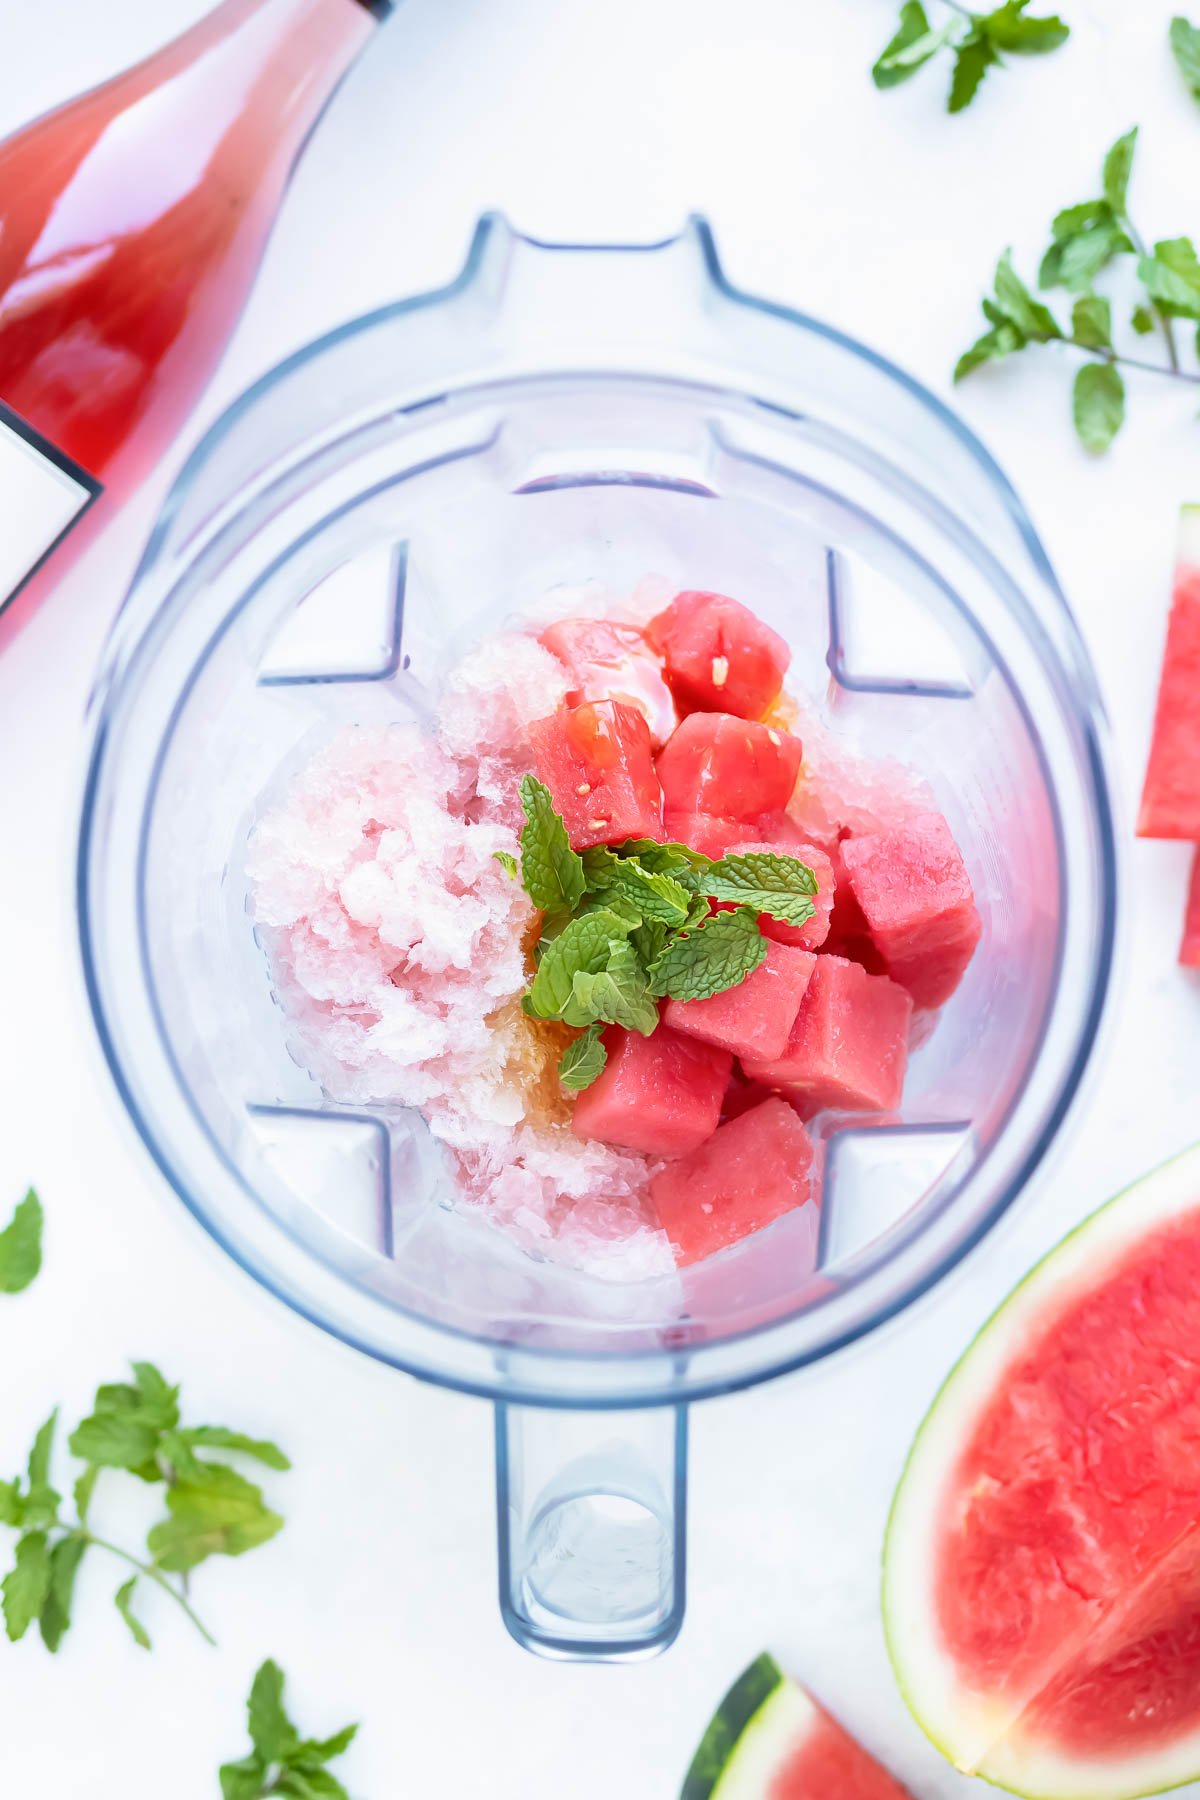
(135,1427)
(281,1761)
(641,927)
(1185,47)
(977,41)
(21,1246)
(1085,240)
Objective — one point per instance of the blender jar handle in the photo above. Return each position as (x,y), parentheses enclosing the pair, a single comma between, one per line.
(592,1516)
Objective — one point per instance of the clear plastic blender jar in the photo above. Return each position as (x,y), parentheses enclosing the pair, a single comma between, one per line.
(564,414)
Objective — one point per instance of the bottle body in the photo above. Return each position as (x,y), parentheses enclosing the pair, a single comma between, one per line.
(132,222)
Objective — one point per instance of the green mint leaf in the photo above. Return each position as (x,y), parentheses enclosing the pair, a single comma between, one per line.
(715,956)
(973,58)
(585,944)
(1118,167)
(115,1441)
(1099,404)
(244,1780)
(551,871)
(676,860)
(1015,301)
(1002,340)
(603,900)
(219,1437)
(618,994)
(654,895)
(12,1506)
(323,1750)
(271,1731)
(40,1505)
(1185,47)
(1172,275)
(508,863)
(583,1060)
(27,1584)
(158,1401)
(650,939)
(778,885)
(55,1619)
(42,1451)
(1142,320)
(83,1491)
(311,1784)
(1091,322)
(123,1599)
(914,31)
(1080,259)
(1009,28)
(218,1513)
(21,1246)
(1085,217)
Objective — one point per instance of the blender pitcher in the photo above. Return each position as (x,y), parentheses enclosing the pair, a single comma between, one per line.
(355,522)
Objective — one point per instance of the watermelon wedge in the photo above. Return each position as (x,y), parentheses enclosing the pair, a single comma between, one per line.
(1171,794)
(1042,1564)
(769,1740)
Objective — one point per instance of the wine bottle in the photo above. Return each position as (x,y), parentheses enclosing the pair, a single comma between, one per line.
(132,223)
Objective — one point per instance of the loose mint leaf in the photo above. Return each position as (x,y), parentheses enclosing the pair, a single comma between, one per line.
(650,939)
(83,1492)
(1002,340)
(1080,259)
(1008,28)
(1091,322)
(1118,167)
(1099,404)
(219,1437)
(585,944)
(583,1060)
(715,956)
(778,885)
(123,1599)
(1185,47)
(271,1731)
(26,1585)
(244,1780)
(676,860)
(618,994)
(55,1619)
(973,58)
(508,862)
(311,1784)
(12,1507)
(21,1246)
(40,1505)
(1142,320)
(654,895)
(325,1749)
(158,1400)
(115,1440)
(914,43)
(603,900)
(551,871)
(1015,301)
(1172,275)
(218,1514)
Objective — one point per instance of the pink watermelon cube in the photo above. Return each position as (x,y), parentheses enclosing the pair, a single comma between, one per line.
(812,934)
(596,760)
(661,1094)
(700,831)
(849,1045)
(1189,949)
(608,660)
(729,768)
(755,1018)
(717,656)
(1171,794)
(751,1171)
(915,896)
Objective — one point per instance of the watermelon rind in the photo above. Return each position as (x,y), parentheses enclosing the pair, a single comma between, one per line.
(969,1728)
(753,1728)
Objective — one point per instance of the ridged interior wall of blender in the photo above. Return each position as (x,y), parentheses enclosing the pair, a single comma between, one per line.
(901,630)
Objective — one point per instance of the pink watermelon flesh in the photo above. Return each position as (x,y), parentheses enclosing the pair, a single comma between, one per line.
(1171,795)
(608,660)
(751,1171)
(660,1094)
(717,656)
(915,896)
(812,934)
(701,831)
(1189,949)
(755,1018)
(827,1764)
(726,767)
(1068,1578)
(849,1046)
(596,761)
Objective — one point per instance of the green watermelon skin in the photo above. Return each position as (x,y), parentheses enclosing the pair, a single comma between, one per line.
(1171,795)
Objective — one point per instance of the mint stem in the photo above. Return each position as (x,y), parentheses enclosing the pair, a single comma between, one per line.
(1175,373)
(1164,323)
(152,1574)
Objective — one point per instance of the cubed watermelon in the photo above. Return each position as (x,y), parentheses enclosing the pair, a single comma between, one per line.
(700,831)
(728,768)
(752,1170)
(717,656)
(1189,949)
(742,1094)
(849,1046)
(661,1094)
(812,934)
(597,761)
(1171,795)
(612,661)
(755,1018)
(915,895)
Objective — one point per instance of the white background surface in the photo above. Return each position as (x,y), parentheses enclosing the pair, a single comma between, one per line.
(880,213)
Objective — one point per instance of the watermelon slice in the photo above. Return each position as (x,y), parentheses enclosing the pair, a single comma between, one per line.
(914,896)
(611,661)
(755,1018)
(849,1045)
(1171,794)
(717,656)
(729,768)
(1189,949)
(769,1740)
(751,1171)
(660,1094)
(596,760)
(1042,1566)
